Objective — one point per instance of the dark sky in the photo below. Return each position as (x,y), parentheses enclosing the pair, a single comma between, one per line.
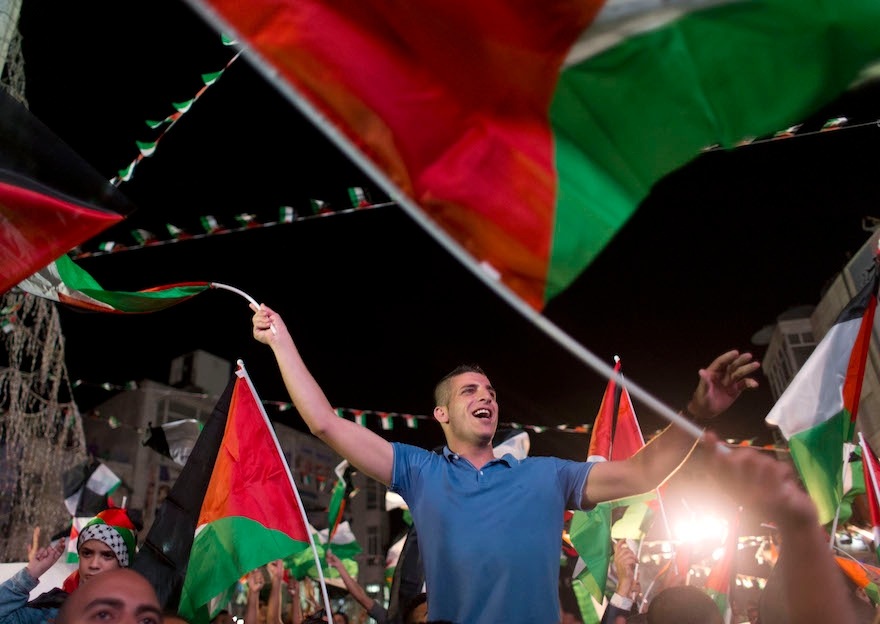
(718,250)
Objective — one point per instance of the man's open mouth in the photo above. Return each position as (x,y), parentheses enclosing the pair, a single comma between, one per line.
(482,413)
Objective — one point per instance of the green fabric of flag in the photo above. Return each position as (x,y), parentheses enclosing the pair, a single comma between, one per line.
(635,523)
(65,282)
(589,534)
(585,602)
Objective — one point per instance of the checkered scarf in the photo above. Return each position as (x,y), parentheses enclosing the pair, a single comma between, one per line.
(113,528)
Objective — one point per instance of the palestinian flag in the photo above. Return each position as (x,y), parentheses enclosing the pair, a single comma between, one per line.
(77,524)
(87,488)
(722,573)
(817,412)
(51,200)
(65,282)
(530,131)
(342,491)
(590,531)
(233,508)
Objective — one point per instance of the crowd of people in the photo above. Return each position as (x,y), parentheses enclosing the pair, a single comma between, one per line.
(470,506)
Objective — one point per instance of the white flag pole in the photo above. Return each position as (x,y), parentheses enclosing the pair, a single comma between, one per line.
(238,291)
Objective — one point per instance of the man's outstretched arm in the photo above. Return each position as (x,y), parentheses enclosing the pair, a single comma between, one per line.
(720,385)
(366,450)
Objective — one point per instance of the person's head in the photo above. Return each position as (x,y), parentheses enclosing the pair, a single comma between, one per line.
(340,618)
(466,406)
(416,610)
(119,596)
(223,617)
(105,543)
(683,605)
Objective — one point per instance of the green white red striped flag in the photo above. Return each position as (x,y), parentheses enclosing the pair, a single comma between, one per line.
(147,148)
(183,107)
(250,513)
(65,282)
(818,410)
(286,214)
(530,132)
(358,197)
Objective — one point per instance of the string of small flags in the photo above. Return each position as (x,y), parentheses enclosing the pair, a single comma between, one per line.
(835,123)
(148,148)
(286,214)
(386,420)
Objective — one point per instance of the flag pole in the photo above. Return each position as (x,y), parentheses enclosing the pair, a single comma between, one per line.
(242,372)
(238,291)
(833,540)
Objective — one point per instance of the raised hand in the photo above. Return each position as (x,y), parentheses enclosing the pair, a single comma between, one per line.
(624,565)
(721,383)
(268,325)
(41,559)
(332,560)
(255,581)
(276,569)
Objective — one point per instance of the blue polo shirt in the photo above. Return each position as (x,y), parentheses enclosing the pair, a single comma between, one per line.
(490,539)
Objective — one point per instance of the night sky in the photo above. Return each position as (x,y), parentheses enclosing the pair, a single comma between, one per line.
(379,310)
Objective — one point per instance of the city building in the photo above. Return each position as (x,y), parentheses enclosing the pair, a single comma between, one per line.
(799,330)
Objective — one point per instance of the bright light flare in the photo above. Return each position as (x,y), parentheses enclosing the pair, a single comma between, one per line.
(701,528)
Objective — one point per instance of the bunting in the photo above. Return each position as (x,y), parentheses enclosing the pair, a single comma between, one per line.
(147,148)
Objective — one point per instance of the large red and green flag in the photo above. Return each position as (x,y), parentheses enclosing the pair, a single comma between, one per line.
(251,512)
(817,412)
(531,131)
(66,282)
(233,508)
(51,200)
(718,584)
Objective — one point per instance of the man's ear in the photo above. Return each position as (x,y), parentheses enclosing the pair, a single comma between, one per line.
(441,415)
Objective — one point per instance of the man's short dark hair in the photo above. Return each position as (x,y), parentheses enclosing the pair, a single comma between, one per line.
(441,390)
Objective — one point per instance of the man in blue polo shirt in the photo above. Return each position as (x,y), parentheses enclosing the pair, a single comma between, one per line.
(489,529)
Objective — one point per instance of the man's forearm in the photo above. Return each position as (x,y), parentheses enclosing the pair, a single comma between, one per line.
(355,589)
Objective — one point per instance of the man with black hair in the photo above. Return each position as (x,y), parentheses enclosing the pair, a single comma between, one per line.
(490,528)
